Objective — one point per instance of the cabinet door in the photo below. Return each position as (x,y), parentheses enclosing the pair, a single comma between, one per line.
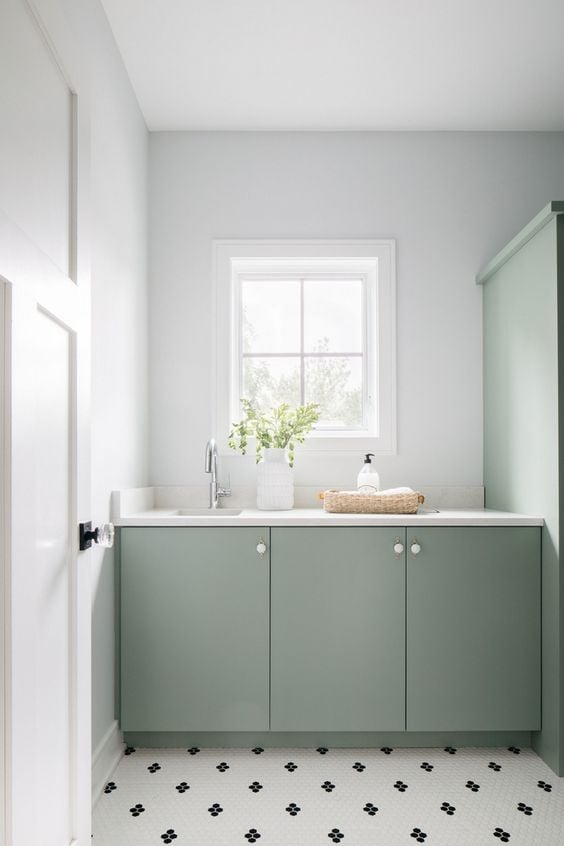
(473,629)
(337,629)
(194,629)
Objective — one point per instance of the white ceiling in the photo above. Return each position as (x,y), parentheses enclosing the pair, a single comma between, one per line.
(344,64)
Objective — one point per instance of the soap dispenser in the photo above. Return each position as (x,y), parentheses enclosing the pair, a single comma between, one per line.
(368,479)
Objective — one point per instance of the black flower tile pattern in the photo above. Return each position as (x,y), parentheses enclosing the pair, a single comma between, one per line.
(544,786)
(322,750)
(525,809)
(293,809)
(136,810)
(182,787)
(129,751)
(215,810)
(215,797)
(514,749)
(255,786)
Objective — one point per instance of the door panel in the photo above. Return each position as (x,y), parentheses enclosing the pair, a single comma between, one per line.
(36,152)
(49,629)
(46,450)
(337,630)
(473,629)
(194,630)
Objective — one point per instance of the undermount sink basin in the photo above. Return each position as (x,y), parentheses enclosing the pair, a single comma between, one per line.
(207,512)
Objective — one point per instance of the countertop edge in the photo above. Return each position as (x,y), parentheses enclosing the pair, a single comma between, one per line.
(481,518)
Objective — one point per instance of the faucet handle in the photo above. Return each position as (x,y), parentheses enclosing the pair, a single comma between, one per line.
(225,491)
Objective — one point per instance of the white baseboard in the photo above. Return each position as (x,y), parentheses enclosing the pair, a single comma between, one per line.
(105,759)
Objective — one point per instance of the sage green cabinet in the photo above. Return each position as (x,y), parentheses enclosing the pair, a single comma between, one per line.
(473,629)
(523,289)
(333,629)
(337,629)
(194,629)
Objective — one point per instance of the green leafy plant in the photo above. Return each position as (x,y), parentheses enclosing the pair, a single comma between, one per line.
(280,428)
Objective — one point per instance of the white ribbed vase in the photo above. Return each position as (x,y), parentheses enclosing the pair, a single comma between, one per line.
(275,482)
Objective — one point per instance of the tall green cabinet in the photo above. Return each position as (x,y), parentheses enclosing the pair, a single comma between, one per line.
(524,424)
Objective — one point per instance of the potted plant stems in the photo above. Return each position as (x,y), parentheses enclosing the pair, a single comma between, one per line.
(276,433)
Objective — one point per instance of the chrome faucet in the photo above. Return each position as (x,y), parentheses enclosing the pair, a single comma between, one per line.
(211,467)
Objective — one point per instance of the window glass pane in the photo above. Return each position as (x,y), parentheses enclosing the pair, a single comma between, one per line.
(267,382)
(271,316)
(333,315)
(335,382)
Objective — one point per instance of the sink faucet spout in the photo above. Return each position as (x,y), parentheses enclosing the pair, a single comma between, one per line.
(210,466)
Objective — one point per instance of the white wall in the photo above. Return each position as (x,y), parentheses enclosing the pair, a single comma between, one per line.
(119,316)
(450,199)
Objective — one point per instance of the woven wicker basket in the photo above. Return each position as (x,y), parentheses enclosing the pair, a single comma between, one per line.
(351,502)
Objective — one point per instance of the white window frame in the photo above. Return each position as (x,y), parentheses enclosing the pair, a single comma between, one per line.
(371,260)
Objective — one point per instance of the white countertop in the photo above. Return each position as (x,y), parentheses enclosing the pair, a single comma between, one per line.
(318,517)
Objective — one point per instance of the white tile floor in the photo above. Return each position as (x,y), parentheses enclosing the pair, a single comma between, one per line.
(306,797)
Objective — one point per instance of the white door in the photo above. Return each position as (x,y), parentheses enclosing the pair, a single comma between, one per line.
(44,274)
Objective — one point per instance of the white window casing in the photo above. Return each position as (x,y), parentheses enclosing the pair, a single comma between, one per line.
(373,262)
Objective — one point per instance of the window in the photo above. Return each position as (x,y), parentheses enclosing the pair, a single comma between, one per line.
(303,339)
(309,322)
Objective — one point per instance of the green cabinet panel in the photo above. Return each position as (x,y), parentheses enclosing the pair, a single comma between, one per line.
(524,425)
(194,629)
(337,629)
(473,630)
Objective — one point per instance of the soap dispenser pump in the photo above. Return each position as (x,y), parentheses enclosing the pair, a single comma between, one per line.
(368,479)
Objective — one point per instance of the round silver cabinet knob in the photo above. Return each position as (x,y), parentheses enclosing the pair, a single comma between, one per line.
(398,547)
(415,548)
(261,547)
